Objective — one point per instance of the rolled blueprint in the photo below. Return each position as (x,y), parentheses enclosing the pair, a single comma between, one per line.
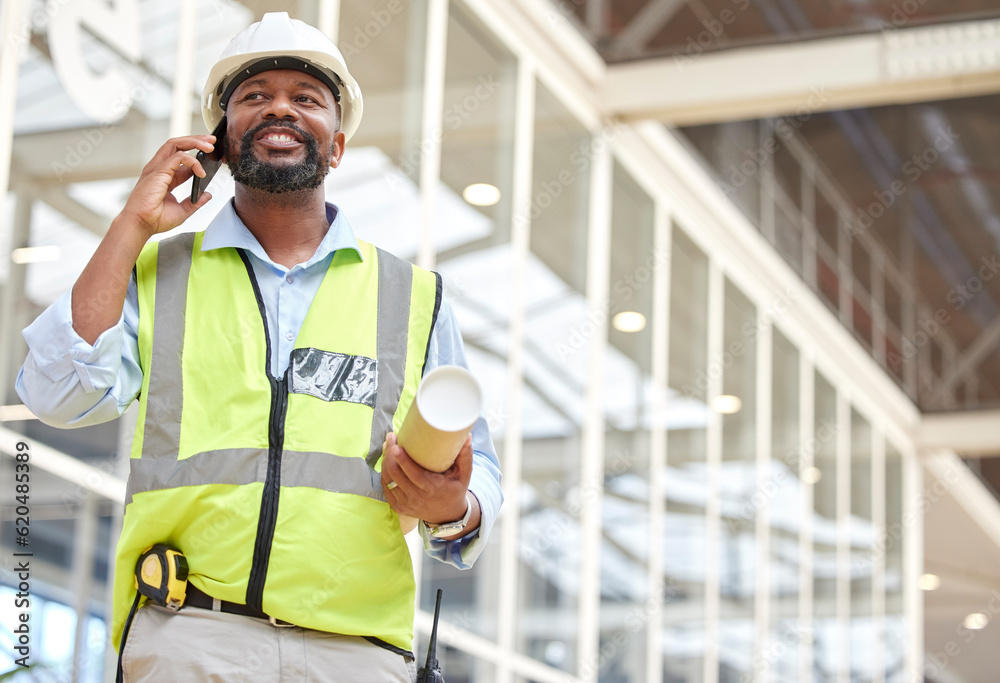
(448,402)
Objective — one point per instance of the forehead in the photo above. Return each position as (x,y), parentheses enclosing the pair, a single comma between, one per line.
(286,79)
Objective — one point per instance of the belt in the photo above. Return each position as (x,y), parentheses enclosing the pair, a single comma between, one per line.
(202,600)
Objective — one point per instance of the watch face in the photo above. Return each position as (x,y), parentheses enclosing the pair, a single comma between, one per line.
(446,530)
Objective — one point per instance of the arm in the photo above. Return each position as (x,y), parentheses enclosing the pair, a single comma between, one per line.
(82,364)
(441,497)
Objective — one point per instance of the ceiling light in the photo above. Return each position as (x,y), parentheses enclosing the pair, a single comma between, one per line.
(629,321)
(726,404)
(929,582)
(481,194)
(976,621)
(812,475)
(34,254)
(15,413)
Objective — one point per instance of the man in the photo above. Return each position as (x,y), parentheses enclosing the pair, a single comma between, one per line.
(273,355)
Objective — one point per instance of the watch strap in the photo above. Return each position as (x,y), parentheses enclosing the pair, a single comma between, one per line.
(445,529)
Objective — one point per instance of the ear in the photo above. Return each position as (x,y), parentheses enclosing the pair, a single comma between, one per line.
(339,143)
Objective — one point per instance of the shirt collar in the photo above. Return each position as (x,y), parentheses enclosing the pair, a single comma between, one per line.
(227,230)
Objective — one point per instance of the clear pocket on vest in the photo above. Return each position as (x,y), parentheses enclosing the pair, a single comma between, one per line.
(333,376)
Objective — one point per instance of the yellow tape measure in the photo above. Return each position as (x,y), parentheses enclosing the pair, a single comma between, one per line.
(161,575)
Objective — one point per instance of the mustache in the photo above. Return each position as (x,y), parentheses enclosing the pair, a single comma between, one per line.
(250,134)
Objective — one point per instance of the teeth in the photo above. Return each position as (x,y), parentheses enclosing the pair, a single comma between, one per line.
(280,138)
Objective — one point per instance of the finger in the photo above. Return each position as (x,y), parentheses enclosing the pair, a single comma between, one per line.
(183,160)
(185,143)
(393,472)
(179,177)
(414,472)
(461,469)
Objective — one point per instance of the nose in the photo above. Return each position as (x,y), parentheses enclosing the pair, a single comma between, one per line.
(280,106)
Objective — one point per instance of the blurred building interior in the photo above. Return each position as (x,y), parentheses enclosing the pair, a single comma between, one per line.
(728,271)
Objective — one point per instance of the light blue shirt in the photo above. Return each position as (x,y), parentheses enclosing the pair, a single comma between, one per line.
(66,382)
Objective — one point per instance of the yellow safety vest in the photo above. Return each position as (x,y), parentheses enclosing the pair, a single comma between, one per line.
(270,486)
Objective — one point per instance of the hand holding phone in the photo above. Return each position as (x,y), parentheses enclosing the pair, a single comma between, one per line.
(210,161)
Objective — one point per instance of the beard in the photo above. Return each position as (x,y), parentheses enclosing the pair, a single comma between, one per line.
(259,174)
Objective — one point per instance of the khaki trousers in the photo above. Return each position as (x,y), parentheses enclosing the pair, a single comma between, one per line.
(204,645)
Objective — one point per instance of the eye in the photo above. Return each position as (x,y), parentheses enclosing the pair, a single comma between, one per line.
(253,96)
(305,98)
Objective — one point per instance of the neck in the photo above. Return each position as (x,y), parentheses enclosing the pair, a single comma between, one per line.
(289,225)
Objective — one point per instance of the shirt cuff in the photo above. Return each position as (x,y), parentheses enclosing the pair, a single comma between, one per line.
(463,552)
(58,350)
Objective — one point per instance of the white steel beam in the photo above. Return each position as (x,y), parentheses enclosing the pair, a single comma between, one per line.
(14,35)
(180,117)
(713,466)
(524,137)
(55,196)
(658,446)
(891,67)
(764,408)
(66,467)
(84,543)
(433,105)
(967,432)
(592,457)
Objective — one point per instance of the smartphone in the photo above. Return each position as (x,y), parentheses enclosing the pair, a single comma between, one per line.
(210,162)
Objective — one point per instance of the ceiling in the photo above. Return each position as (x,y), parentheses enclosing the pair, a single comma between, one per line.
(941,232)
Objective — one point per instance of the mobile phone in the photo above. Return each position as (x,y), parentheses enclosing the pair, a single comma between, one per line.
(210,161)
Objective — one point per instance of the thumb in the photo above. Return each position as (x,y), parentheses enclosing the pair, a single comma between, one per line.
(205,198)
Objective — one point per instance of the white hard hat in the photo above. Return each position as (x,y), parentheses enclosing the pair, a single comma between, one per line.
(279,42)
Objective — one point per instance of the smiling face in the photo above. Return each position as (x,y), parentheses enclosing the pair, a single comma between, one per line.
(283,133)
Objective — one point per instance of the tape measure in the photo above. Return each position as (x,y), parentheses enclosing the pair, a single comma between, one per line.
(161,575)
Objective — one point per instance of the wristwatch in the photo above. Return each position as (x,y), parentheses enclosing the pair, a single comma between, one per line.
(446,529)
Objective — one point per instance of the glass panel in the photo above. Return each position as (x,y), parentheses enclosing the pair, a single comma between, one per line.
(628,385)
(474,259)
(784,491)
(376,184)
(685,478)
(556,328)
(862,540)
(895,624)
(738,551)
(459,666)
(825,654)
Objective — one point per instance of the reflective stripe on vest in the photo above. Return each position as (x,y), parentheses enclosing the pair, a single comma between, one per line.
(215,449)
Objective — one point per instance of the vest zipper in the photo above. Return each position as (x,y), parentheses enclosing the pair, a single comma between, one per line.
(268,517)
(269,500)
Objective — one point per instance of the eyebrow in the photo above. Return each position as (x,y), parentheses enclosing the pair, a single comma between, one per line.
(305,85)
